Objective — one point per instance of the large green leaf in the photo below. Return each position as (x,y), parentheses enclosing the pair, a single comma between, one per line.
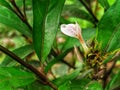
(40,8)
(9,18)
(114,83)
(14,77)
(22,52)
(109,29)
(46,20)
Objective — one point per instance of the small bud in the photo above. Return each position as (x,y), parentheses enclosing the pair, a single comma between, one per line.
(74,30)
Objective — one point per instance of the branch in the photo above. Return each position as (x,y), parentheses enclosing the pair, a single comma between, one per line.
(16,8)
(90,11)
(19,13)
(24,9)
(41,75)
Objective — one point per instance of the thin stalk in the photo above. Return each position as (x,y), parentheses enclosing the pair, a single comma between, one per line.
(20,14)
(85,48)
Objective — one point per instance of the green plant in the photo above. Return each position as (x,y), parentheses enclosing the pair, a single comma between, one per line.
(87,62)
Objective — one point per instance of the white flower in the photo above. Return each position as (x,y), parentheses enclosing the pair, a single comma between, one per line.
(74,30)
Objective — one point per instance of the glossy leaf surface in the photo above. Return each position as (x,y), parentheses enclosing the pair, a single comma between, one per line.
(46,19)
(10,19)
(109,29)
(13,77)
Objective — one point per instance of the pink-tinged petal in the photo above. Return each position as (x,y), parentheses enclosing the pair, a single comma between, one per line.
(70,30)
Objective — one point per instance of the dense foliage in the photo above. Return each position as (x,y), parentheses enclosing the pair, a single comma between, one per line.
(36,55)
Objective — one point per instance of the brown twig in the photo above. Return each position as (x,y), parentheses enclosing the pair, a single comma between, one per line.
(41,75)
(63,61)
(24,6)
(16,9)
(20,14)
(90,11)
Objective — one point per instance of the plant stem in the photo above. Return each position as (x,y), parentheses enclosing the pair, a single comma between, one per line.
(24,9)
(90,11)
(41,75)
(19,13)
(85,48)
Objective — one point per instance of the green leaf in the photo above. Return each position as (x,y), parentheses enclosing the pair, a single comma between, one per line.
(94,85)
(5,86)
(5,4)
(65,78)
(9,18)
(114,83)
(20,3)
(85,84)
(40,9)
(64,86)
(46,19)
(22,52)
(37,86)
(79,84)
(109,29)
(111,2)
(104,3)
(75,11)
(14,77)
(89,33)
(57,59)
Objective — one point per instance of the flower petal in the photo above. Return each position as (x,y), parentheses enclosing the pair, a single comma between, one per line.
(70,30)
(78,29)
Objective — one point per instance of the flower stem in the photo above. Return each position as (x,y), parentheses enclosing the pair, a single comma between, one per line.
(85,48)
